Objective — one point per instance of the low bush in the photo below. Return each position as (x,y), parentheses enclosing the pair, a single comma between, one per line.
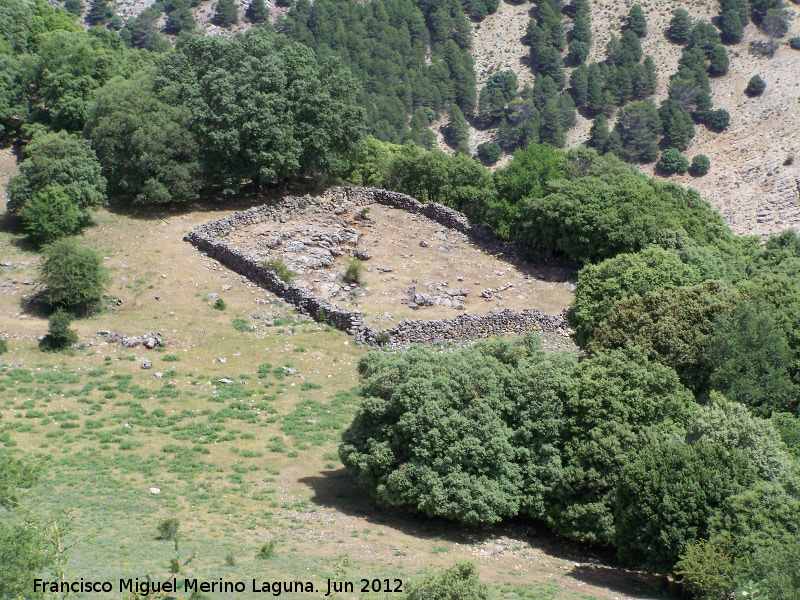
(700,165)
(280,268)
(168,529)
(756,86)
(354,272)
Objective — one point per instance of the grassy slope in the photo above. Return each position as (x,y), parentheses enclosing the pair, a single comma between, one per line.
(236,478)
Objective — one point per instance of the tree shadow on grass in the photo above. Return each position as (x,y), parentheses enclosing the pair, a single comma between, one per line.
(336,489)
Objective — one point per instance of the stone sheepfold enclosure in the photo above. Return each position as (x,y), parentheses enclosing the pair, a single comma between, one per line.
(245,240)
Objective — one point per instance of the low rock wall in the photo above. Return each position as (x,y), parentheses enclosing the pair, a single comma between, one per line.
(209,237)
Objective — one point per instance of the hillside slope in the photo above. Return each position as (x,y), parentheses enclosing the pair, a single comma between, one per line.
(748,182)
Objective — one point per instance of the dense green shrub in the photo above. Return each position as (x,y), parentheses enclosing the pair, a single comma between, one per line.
(603,285)
(755,86)
(700,165)
(695,478)
(470,436)
(280,268)
(614,400)
(672,161)
(70,276)
(59,335)
(636,21)
(354,272)
(489,152)
(680,26)
(226,13)
(307,123)
(59,159)
(168,529)
(3,346)
(459,582)
(50,214)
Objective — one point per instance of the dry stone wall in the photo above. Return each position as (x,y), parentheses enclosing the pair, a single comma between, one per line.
(210,236)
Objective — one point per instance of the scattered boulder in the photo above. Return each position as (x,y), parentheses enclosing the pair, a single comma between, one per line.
(146,364)
(224,380)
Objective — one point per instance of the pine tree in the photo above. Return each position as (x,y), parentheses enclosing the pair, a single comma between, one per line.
(756,86)
(679,131)
(636,21)
(598,134)
(719,60)
(181,17)
(680,26)
(732,29)
(595,98)
(458,130)
(257,12)
(551,128)
(582,29)
(579,85)
(99,13)
(74,7)
(226,14)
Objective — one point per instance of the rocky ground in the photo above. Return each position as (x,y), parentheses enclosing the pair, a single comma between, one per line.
(413,266)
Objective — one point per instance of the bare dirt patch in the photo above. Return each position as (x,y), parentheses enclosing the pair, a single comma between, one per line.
(413,266)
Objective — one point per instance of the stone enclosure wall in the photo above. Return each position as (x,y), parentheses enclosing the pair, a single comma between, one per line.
(209,238)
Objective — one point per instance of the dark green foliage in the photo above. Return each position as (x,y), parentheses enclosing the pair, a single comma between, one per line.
(142,32)
(548,62)
(300,116)
(668,495)
(551,128)
(678,126)
(672,161)
(636,21)
(354,272)
(489,152)
(645,78)
(549,20)
(459,582)
(100,12)
(789,428)
(578,51)
(3,346)
(74,7)
(49,215)
(145,145)
(226,13)
(582,29)
(794,43)
(458,130)
(741,7)
(719,60)
(732,28)
(220,304)
(639,128)
(700,165)
(705,36)
(579,85)
(181,17)
(168,529)
(613,211)
(386,46)
(63,160)
(600,287)
(598,134)
(756,86)
(257,11)
(71,277)
(611,401)
(469,436)
(749,360)
(526,176)
(775,24)
(663,313)
(59,335)
(680,26)
(716,119)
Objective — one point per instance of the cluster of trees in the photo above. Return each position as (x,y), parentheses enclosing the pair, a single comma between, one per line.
(591,447)
(642,129)
(689,388)
(411,57)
